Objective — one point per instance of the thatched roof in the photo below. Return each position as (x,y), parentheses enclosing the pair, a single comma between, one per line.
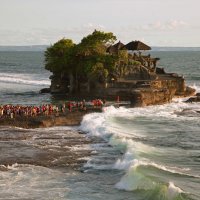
(137,46)
(116,47)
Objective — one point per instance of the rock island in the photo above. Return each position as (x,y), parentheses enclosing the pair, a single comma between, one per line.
(98,67)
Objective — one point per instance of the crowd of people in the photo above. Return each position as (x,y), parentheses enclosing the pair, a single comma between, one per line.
(12,111)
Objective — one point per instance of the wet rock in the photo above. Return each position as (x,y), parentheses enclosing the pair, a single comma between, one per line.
(45,90)
(189,91)
(198,94)
(48,148)
(193,99)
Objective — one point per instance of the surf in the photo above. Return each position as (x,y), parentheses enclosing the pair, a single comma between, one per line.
(138,160)
(26,79)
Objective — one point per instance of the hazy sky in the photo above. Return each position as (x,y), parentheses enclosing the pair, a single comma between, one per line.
(156,22)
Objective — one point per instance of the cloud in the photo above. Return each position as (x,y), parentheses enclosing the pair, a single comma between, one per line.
(46,35)
(169,25)
(157,26)
(91,26)
(164,26)
(151,33)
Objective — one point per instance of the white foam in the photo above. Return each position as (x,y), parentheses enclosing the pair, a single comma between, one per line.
(173,190)
(196,87)
(22,79)
(102,125)
(29,181)
(13,166)
(56,128)
(128,161)
(94,124)
(92,165)
(82,147)
(133,180)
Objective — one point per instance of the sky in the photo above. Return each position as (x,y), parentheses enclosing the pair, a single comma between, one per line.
(155,22)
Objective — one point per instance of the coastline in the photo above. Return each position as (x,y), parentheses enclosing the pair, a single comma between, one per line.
(26,146)
(73,118)
(22,147)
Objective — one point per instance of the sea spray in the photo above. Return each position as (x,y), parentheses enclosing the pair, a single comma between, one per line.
(196,87)
(23,181)
(135,161)
(94,124)
(134,180)
(166,192)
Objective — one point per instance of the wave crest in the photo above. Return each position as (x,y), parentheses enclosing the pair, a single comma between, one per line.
(22,79)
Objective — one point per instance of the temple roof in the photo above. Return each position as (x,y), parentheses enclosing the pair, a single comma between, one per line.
(116,47)
(137,46)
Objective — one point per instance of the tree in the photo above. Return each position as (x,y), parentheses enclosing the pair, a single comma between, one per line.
(122,62)
(58,59)
(99,73)
(80,62)
(92,50)
(58,56)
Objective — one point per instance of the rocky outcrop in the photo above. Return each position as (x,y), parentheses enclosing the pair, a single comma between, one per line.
(146,97)
(140,73)
(151,92)
(195,98)
(45,90)
(140,85)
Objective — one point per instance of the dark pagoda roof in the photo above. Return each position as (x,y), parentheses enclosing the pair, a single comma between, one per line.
(116,47)
(137,46)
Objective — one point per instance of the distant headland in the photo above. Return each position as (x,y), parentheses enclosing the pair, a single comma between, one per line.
(98,67)
(41,48)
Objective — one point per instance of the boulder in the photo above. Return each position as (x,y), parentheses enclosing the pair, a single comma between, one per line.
(198,94)
(191,99)
(45,90)
(189,91)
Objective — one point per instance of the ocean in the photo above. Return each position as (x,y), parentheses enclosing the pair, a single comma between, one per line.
(149,153)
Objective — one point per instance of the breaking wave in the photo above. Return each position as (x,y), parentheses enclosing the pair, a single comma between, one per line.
(140,171)
(27,79)
(195,86)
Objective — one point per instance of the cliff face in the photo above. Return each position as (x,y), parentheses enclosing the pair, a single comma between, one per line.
(59,84)
(140,86)
(159,91)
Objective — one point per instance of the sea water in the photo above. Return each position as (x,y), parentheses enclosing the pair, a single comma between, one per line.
(148,153)
(22,75)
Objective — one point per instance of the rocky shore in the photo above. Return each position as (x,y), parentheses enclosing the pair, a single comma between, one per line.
(44,147)
(159,89)
(34,141)
(195,98)
(68,119)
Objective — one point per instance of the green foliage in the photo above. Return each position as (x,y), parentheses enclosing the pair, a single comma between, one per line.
(58,56)
(99,73)
(98,38)
(92,50)
(88,60)
(134,62)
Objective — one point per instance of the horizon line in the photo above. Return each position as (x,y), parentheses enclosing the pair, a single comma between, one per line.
(34,45)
